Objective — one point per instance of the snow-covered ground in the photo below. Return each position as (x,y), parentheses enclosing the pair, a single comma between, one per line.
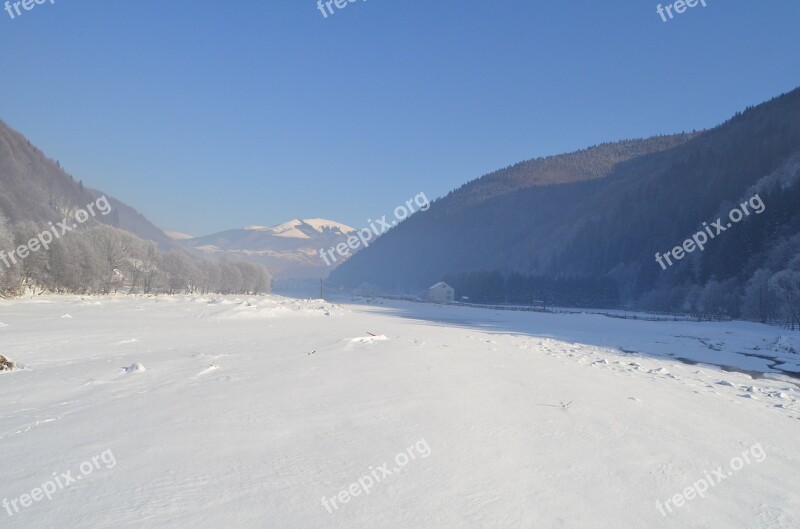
(275,413)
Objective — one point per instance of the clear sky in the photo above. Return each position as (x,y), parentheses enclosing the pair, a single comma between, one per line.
(213,115)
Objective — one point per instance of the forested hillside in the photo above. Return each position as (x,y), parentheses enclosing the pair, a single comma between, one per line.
(114,249)
(512,236)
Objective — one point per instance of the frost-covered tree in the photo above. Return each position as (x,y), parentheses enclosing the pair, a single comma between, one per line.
(758,300)
(176,270)
(231,280)
(112,247)
(103,259)
(33,269)
(786,285)
(151,260)
(10,281)
(719,298)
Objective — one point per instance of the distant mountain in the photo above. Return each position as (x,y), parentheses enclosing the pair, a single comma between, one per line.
(174,235)
(584,227)
(289,250)
(36,188)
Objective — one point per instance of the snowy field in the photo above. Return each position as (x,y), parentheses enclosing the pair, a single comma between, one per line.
(266,412)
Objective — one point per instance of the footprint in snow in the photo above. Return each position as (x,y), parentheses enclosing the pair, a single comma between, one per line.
(66,317)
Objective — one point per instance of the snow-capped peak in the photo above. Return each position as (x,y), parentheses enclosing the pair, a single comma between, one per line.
(294,228)
(321,224)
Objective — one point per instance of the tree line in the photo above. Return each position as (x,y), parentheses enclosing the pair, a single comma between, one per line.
(494,287)
(101,259)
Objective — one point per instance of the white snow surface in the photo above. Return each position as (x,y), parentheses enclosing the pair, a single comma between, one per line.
(251,410)
(292,229)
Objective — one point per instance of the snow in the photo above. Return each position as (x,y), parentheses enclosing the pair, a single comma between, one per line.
(250,410)
(369,339)
(321,224)
(136,367)
(208,248)
(178,236)
(291,229)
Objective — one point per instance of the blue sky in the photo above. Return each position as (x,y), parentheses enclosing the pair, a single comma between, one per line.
(212,115)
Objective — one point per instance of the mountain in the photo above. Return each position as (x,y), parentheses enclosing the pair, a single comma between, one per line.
(484,223)
(589,223)
(112,248)
(37,189)
(289,250)
(175,235)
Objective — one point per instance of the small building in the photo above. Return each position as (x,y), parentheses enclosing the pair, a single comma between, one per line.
(440,293)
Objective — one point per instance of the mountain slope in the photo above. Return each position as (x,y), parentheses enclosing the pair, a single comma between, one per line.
(520,210)
(36,188)
(607,225)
